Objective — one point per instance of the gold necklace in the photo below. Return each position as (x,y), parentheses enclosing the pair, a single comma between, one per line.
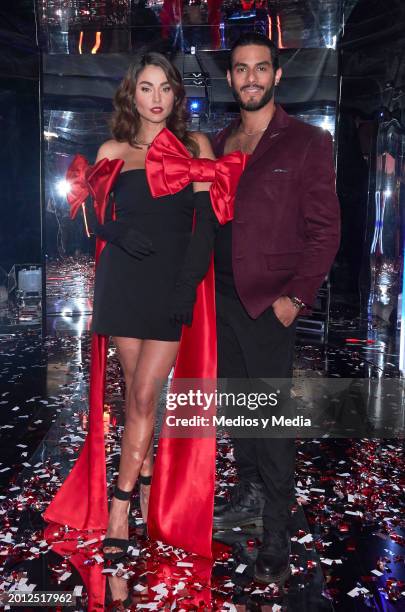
(258,131)
(255,133)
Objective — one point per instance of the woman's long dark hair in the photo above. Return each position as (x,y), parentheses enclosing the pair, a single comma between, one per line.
(126,121)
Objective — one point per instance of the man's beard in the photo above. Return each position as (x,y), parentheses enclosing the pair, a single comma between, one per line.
(256,105)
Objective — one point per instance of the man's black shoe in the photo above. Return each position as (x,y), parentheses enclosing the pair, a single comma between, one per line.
(244,508)
(273,560)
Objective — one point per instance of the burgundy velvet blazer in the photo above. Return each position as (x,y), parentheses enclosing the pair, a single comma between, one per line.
(286,227)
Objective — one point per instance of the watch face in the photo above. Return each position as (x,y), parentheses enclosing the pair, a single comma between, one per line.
(297,302)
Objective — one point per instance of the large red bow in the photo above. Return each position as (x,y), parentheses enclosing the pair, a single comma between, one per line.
(170,167)
(96,181)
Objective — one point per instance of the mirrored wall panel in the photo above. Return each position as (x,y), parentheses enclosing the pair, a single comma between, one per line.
(119,26)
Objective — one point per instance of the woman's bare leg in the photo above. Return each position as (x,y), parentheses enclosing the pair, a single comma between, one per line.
(128,350)
(144,489)
(154,363)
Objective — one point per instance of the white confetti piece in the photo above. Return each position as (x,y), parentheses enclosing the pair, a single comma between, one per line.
(160,589)
(88,542)
(229,606)
(8,539)
(184,564)
(356,591)
(331,561)
(305,539)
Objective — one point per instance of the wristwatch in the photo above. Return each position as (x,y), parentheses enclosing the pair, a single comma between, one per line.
(299,304)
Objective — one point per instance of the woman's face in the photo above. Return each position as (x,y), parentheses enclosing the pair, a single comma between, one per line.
(154,96)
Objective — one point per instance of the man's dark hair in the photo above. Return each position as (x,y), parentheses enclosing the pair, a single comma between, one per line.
(254,38)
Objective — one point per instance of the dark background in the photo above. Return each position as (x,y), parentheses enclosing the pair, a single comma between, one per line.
(343,67)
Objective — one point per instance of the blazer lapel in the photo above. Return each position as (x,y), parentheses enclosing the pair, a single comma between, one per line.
(274,132)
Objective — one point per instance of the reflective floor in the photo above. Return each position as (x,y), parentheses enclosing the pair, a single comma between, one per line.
(347,526)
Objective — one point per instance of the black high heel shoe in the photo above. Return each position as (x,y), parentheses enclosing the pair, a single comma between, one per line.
(121,543)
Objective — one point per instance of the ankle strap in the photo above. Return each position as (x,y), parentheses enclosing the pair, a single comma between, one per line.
(145,480)
(122,495)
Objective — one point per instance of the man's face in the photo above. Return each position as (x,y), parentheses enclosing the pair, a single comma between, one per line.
(252,77)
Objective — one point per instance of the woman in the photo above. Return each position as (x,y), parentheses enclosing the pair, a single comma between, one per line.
(138,269)
(145,285)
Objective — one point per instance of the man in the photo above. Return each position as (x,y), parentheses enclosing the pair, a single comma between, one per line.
(269,264)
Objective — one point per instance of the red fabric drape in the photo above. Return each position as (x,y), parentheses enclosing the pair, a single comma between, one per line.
(94,581)
(82,500)
(182,495)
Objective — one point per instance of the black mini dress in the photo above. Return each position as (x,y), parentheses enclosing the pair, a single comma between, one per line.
(132,297)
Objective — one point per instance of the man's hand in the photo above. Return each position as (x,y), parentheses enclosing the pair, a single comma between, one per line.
(285,310)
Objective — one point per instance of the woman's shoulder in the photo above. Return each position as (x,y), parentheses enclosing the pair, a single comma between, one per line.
(204,144)
(111,149)
(199,137)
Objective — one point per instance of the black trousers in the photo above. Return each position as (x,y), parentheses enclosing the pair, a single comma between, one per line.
(259,348)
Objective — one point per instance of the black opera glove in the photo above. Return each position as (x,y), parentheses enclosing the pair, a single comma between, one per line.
(126,238)
(196,261)
(120,234)
(183,304)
